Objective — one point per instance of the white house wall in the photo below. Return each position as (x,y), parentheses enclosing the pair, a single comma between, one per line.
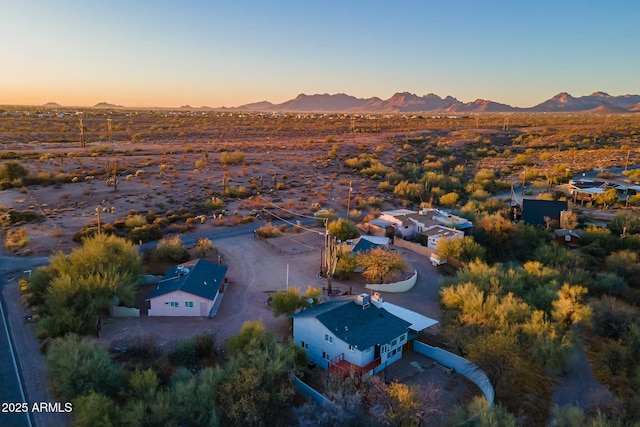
(162,305)
(309,333)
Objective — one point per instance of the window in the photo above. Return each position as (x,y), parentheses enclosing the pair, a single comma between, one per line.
(325,355)
(352,348)
(174,304)
(394,342)
(403,338)
(384,348)
(188,304)
(328,338)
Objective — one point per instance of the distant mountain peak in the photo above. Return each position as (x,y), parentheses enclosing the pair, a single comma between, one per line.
(407,102)
(562,97)
(106,105)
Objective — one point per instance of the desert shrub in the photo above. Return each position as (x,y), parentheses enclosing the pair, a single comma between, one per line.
(16,240)
(145,233)
(78,366)
(385,186)
(171,249)
(236,192)
(232,158)
(213,204)
(268,230)
(185,354)
(161,222)
(347,264)
(135,221)
(16,217)
(12,171)
(205,345)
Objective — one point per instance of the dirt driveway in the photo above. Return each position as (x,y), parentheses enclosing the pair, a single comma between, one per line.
(258,267)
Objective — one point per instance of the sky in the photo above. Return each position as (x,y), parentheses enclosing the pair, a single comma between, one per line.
(144,53)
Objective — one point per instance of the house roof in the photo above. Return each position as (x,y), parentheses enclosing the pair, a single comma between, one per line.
(534,210)
(561,232)
(198,277)
(360,327)
(381,223)
(364,245)
(440,230)
(376,239)
(418,321)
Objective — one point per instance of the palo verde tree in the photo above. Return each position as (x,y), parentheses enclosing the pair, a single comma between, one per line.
(343,229)
(74,290)
(381,265)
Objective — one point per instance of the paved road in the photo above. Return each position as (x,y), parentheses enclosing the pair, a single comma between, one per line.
(224,233)
(11,391)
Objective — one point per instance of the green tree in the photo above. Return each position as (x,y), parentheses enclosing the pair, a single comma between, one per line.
(465,249)
(12,171)
(257,383)
(449,199)
(77,366)
(381,265)
(409,191)
(343,229)
(347,263)
(95,410)
(404,404)
(285,302)
(77,288)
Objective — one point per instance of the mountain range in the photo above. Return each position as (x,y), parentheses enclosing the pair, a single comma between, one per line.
(405,102)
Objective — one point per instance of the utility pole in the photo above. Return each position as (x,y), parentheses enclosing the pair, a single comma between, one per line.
(353,128)
(349,201)
(109,129)
(626,163)
(82,142)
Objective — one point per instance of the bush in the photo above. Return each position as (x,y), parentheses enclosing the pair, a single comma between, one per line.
(16,240)
(268,230)
(22,216)
(232,158)
(185,354)
(135,221)
(145,233)
(172,249)
(77,366)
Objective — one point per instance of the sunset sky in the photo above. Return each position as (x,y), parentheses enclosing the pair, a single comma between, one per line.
(229,53)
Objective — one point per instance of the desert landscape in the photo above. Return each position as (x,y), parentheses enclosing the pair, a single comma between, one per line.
(147,175)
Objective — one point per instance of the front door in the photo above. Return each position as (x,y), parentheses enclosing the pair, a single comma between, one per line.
(203,309)
(376,352)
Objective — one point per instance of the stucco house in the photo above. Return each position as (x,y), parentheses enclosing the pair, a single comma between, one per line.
(194,288)
(411,223)
(357,336)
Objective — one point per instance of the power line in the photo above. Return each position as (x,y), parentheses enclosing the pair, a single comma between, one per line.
(289,211)
(291,223)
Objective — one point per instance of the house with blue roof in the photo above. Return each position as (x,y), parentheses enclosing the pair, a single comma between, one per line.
(194,288)
(358,336)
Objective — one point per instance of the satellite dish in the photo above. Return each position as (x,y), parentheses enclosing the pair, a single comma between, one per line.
(310,301)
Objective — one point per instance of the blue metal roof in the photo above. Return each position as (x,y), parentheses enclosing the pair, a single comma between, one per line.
(361,327)
(199,277)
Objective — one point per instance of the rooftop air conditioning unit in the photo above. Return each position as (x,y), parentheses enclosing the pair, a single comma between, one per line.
(363,300)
